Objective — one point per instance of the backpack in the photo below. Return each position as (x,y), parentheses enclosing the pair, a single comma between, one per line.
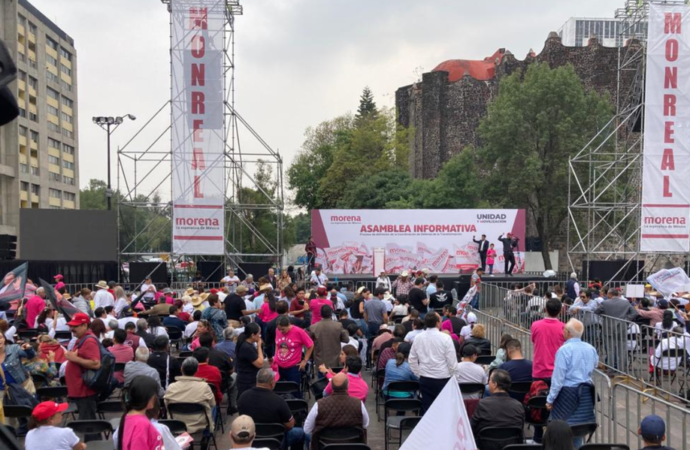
(538,389)
(99,380)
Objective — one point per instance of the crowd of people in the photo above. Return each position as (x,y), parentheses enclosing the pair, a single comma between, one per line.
(207,356)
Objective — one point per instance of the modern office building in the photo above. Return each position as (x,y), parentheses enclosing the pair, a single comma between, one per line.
(610,32)
(39,150)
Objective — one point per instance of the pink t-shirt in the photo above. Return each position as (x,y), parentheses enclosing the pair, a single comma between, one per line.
(140,434)
(266,315)
(34,307)
(315,308)
(547,338)
(490,255)
(123,353)
(289,346)
(356,387)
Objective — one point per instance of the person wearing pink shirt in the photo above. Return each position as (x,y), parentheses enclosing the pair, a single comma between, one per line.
(357,387)
(547,338)
(136,432)
(491,259)
(34,307)
(268,309)
(316,304)
(290,340)
(122,352)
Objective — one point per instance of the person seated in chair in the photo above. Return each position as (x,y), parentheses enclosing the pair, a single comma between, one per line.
(498,410)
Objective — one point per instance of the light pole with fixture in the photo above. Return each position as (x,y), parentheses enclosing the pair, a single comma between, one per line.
(106,123)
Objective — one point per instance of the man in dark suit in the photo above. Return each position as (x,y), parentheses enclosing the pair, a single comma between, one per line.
(482,248)
(499,410)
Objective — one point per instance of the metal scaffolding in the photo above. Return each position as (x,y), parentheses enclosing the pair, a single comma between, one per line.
(144,177)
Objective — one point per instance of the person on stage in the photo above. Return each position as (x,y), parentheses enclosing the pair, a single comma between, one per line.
(509,243)
(482,248)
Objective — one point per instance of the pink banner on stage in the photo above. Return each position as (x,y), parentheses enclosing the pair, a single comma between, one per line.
(438,240)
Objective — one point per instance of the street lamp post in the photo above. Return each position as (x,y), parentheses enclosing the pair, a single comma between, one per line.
(106,123)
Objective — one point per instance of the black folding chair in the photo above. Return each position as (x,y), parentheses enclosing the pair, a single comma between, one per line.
(331,436)
(286,388)
(57,394)
(584,429)
(94,427)
(519,389)
(270,430)
(8,439)
(182,409)
(269,443)
(403,405)
(63,335)
(27,335)
(299,409)
(175,336)
(186,354)
(111,407)
(317,388)
(411,387)
(485,360)
(497,438)
(39,380)
(472,388)
(176,427)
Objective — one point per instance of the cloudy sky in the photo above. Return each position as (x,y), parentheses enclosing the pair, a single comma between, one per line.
(299,62)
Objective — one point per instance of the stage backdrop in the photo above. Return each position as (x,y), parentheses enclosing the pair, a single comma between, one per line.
(198,175)
(666,164)
(439,239)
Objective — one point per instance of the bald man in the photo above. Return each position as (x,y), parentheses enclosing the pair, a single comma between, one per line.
(338,410)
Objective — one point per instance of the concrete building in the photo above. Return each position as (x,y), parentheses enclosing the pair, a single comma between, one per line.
(39,150)
(609,32)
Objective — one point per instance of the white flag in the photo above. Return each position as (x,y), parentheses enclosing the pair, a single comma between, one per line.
(445,425)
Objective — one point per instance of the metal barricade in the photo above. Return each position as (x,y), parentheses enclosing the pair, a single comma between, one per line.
(493,327)
(629,406)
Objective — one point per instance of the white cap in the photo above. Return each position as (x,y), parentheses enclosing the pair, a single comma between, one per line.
(471,318)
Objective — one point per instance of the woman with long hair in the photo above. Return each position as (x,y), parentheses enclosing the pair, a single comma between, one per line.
(136,431)
(284,280)
(501,354)
(248,357)
(121,302)
(98,328)
(155,327)
(45,432)
(268,309)
(398,369)
(204,326)
(664,327)
(558,436)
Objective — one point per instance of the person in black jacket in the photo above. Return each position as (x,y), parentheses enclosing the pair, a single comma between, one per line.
(509,242)
(477,339)
(482,248)
(168,367)
(498,410)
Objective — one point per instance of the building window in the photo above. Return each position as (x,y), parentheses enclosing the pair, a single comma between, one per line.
(25,186)
(53,127)
(22,20)
(68,149)
(53,143)
(67,118)
(65,54)
(35,189)
(55,177)
(54,193)
(50,76)
(54,160)
(65,85)
(53,110)
(67,102)
(68,165)
(51,43)
(33,28)
(35,171)
(68,180)
(69,196)
(33,117)
(33,82)
(64,69)
(52,93)
(22,131)
(24,168)
(69,134)
(51,60)
(22,112)
(22,75)
(34,136)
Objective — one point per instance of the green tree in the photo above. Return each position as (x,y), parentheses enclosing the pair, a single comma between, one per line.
(93,197)
(377,191)
(538,121)
(367,106)
(457,185)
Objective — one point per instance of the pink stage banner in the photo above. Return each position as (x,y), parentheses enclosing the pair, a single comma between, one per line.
(198,173)
(666,156)
(440,240)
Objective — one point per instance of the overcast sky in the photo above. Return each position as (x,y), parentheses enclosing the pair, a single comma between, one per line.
(299,62)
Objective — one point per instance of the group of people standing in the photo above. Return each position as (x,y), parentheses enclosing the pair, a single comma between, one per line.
(487,252)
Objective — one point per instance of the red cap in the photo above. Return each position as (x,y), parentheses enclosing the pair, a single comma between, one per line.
(79,319)
(46,410)
(214,291)
(58,277)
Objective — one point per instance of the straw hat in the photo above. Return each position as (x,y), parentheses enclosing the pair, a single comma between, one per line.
(241,290)
(189,292)
(204,296)
(265,287)
(405,273)
(197,301)
(102,285)
(66,296)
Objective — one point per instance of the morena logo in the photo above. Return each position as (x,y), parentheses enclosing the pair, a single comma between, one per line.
(664,220)
(196,222)
(349,219)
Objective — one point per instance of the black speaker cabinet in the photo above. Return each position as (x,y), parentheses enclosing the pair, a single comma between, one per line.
(138,271)
(212,271)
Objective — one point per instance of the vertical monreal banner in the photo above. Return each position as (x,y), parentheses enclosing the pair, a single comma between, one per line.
(198,175)
(666,156)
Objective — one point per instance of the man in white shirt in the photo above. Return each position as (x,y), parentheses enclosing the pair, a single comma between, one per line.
(103,298)
(318,278)
(469,372)
(384,282)
(231,281)
(432,359)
